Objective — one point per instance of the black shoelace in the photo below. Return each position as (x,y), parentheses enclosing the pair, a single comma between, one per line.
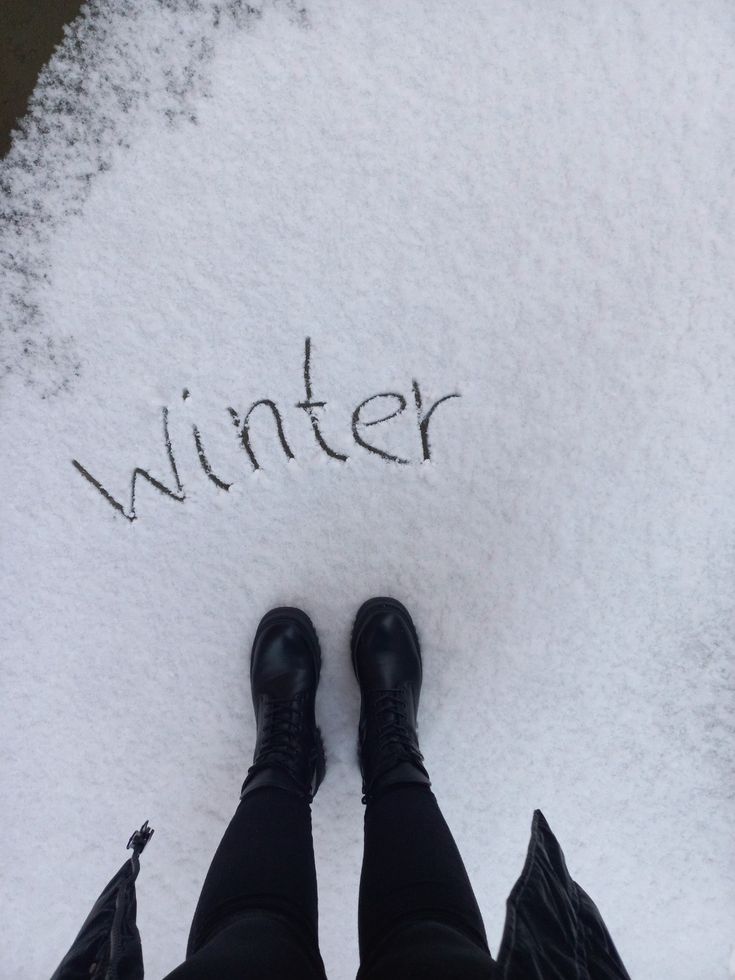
(282,734)
(394,737)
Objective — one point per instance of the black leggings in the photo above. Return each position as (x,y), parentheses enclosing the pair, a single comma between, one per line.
(257,913)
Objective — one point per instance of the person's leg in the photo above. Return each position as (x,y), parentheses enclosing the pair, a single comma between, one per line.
(257,914)
(418,916)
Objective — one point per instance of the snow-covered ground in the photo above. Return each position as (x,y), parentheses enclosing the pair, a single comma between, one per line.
(525,205)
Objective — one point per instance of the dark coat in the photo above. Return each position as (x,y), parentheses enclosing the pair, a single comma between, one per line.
(553,929)
(107,946)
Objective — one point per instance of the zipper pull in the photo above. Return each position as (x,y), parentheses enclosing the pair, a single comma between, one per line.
(139,838)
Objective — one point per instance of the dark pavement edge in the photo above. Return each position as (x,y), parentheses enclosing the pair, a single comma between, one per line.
(30,30)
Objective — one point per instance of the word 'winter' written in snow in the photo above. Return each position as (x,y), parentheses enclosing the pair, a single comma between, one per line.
(310,405)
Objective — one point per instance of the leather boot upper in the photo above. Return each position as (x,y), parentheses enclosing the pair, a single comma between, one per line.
(387,661)
(285,664)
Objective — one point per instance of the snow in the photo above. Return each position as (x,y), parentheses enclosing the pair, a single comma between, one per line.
(525,205)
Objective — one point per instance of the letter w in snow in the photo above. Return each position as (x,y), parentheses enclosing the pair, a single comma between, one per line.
(178,494)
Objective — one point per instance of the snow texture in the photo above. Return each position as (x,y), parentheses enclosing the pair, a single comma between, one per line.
(528,205)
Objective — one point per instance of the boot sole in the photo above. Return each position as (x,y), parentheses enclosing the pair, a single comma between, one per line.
(292,613)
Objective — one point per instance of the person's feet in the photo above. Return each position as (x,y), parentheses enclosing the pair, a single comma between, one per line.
(285,663)
(386,658)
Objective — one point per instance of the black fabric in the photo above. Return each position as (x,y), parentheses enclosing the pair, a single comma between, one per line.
(108,946)
(265,862)
(553,929)
(426,949)
(417,910)
(252,946)
(257,916)
(416,903)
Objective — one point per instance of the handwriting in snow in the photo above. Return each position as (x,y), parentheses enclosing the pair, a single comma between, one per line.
(310,406)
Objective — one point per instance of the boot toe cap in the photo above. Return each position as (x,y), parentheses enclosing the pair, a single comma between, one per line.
(386,651)
(285,658)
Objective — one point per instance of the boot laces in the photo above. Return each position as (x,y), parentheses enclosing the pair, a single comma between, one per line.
(394,736)
(282,731)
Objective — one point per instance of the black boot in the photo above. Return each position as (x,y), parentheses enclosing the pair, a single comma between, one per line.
(387,661)
(285,663)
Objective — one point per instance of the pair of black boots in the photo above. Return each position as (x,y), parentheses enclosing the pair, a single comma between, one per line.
(285,663)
